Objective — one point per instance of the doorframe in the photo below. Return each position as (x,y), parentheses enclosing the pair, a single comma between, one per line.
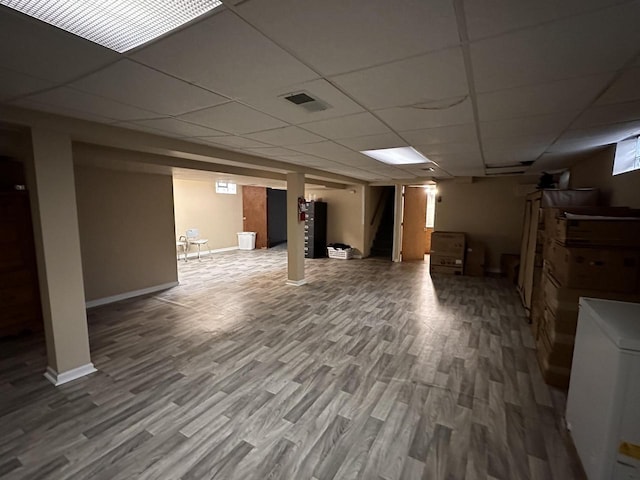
(398,214)
(396,255)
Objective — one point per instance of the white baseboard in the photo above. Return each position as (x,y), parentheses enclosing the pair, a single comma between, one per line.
(125,295)
(204,253)
(73,374)
(296,283)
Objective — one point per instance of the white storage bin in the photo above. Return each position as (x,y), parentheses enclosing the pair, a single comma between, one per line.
(344,254)
(247,240)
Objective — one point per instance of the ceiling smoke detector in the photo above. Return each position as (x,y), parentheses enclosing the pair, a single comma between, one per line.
(306,101)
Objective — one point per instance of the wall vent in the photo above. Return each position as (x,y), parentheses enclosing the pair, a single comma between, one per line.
(306,101)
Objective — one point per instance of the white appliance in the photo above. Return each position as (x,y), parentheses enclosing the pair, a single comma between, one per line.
(603,405)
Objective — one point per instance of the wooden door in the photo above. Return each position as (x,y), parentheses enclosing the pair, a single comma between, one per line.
(413,223)
(254,213)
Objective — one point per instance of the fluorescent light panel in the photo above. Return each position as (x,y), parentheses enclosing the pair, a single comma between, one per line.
(116,24)
(397,156)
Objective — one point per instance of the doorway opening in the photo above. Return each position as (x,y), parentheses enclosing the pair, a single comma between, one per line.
(418,220)
(382,222)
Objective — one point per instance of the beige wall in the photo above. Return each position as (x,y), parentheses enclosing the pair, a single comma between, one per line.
(345,222)
(595,171)
(218,216)
(489,210)
(126,231)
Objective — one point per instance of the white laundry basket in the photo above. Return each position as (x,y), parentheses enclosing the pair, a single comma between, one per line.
(247,240)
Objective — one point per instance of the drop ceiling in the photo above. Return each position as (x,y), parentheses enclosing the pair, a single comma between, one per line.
(467,83)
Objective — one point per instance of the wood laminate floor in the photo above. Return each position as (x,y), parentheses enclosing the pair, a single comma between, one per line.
(373,371)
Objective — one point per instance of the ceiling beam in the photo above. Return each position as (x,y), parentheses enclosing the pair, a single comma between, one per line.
(118,137)
(101,156)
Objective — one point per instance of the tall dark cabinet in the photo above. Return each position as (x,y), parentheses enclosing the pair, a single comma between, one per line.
(315,230)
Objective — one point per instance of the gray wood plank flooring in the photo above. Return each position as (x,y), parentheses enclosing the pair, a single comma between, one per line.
(371,371)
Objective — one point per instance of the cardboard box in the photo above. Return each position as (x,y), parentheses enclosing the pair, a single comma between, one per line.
(552,214)
(564,320)
(446,261)
(450,244)
(560,298)
(614,270)
(555,375)
(558,354)
(474,259)
(443,270)
(603,233)
(556,332)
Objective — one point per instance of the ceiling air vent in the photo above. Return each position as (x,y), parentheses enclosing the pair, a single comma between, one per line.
(306,101)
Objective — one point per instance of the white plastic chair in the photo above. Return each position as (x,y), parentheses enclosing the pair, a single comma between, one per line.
(182,245)
(193,238)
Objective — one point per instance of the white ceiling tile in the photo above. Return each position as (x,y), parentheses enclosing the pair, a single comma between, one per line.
(570,147)
(418,80)
(14,84)
(226,55)
(492,17)
(40,50)
(145,128)
(275,152)
(58,110)
(179,128)
(469,159)
(446,148)
(605,114)
(329,150)
(563,49)
(408,118)
(552,125)
(604,134)
(466,171)
(67,98)
(336,36)
(350,126)
(453,133)
(232,141)
(373,142)
(564,95)
(359,160)
(274,103)
(519,141)
(285,136)
(502,156)
(624,89)
(134,84)
(233,118)
(553,161)
(308,160)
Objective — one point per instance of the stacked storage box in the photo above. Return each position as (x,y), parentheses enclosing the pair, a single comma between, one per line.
(588,253)
(447,253)
(531,249)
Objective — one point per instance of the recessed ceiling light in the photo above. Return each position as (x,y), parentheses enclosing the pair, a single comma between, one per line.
(397,156)
(118,24)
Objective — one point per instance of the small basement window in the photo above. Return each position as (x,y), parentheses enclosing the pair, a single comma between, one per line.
(627,156)
(225,187)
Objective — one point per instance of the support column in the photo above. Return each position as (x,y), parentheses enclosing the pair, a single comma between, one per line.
(295,230)
(55,217)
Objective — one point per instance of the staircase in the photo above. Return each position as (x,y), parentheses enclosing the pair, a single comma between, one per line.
(383,241)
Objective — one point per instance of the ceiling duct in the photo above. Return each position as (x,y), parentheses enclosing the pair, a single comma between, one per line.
(306,101)
(512,169)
